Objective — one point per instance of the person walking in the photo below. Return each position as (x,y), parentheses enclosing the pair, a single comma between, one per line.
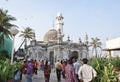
(86,73)
(76,65)
(29,70)
(35,67)
(70,72)
(63,68)
(58,68)
(47,71)
(24,71)
(17,75)
(42,65)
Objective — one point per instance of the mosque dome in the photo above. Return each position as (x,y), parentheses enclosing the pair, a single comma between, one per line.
(51,35)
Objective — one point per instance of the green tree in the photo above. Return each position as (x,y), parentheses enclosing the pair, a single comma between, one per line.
(27,34)
(5,25)
(95,44)
(4,54)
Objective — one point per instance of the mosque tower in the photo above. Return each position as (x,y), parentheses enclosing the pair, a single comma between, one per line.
(86,39)
(60,22)
(59,25)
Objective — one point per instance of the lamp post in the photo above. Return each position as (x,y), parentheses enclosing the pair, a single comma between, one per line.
(13,31)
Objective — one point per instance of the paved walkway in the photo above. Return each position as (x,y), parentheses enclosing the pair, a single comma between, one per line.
(40,77)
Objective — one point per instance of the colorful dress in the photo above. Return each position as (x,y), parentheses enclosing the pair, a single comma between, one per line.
(63,70)
(47,71)
(70,73)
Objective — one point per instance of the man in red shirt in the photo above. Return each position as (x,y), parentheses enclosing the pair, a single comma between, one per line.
(35,67)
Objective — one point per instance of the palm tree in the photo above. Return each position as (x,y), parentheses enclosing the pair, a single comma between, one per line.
(5,25)
(95,44)
(27,34)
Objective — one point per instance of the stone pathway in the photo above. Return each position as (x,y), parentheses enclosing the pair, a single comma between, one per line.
(40,77)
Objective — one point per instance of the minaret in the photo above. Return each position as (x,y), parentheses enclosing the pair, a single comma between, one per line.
(53,24)
(86,39)
(60,22)
(79,41)
(60,37)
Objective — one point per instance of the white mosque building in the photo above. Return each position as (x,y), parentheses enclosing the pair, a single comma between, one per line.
(53,48)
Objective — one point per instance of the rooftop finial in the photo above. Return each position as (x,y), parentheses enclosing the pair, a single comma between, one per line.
(86,38)
(79,40)
(68,38)
(53,23)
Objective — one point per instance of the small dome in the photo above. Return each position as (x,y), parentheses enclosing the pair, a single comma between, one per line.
(51,35)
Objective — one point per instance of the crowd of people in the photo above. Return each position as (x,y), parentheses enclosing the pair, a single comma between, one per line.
(74,70)
(29,67)
(71,70)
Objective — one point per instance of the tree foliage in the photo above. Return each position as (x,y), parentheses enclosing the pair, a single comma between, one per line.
(5,25)
(95,44)
(27,34)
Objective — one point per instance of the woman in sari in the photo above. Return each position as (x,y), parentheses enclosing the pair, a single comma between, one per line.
(47,71)
(70,72)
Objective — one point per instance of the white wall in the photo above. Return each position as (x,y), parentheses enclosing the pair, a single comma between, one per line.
(114,43)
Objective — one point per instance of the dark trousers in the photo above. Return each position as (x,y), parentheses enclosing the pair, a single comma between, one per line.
(77,78)
(47,77)
(63,73)
(58,73)
(35,70)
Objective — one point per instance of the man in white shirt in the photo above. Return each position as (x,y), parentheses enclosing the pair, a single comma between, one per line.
(86,72)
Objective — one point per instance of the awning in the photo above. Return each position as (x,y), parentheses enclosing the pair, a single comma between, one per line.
(107,49)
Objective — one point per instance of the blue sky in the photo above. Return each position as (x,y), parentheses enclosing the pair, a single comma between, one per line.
(97,18)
